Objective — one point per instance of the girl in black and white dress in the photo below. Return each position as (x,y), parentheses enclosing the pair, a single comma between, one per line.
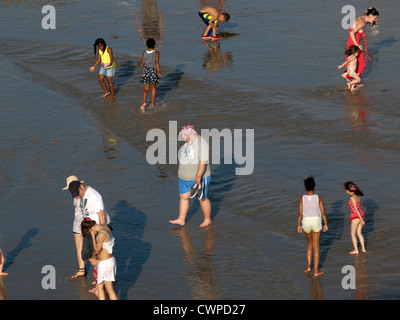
(151,72)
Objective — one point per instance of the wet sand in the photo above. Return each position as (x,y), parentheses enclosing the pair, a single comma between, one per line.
(54,124)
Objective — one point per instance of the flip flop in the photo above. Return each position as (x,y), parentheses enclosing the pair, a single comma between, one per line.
(195,189)
(200,191)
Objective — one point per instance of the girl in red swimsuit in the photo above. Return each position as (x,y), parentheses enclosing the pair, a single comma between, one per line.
(357,30)
(356,215)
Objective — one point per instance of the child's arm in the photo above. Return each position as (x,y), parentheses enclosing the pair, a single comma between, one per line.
(300,215)
(96,63)
(322,209)
(346,62)
(141,62)
(157,58)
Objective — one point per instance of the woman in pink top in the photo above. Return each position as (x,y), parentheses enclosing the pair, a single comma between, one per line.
(356,215)
(311,212)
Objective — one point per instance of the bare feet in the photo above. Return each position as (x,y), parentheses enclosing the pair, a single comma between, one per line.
(353,252)
(106,94)
(143,106)
(318,273)
(307,270)
(177,221)
(3,273)
(205,223)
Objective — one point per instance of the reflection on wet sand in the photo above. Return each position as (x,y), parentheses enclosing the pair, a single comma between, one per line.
(362,284)
(199,265)
(3,289)
(152,24)
(110,142)
(315,288)
(217,4)
(213,59)
(357,106)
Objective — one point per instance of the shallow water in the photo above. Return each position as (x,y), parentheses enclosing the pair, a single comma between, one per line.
(273,77)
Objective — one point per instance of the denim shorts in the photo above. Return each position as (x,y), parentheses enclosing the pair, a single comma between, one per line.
(184,186)
(108,72)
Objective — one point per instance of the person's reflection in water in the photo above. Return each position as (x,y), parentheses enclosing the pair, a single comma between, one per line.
(217,4)
(3,289)
(357,106)
(199,266)
(213,59)
(315,288)
(152,21)
(110,144)
(362,284)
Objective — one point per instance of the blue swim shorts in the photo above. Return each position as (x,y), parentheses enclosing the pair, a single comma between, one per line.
(108,72)
(184,186)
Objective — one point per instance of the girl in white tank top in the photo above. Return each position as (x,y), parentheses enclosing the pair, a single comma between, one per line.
(311,206)
(311,212)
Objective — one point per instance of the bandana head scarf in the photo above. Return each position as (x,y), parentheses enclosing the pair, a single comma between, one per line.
(187,131)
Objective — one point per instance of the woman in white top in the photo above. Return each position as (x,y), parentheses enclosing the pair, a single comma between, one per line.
(103,243)
(311,211)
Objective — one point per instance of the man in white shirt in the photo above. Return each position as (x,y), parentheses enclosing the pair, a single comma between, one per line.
(92,207)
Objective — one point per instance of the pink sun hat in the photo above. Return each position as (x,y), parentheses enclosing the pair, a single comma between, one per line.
(187,130)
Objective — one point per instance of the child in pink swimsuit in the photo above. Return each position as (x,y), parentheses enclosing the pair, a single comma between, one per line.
(356,215)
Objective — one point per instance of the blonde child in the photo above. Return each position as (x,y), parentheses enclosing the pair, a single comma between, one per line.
(352,52)
(311,212)
(356,215)
(151,72)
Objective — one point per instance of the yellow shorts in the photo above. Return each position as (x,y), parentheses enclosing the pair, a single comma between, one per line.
(311,224)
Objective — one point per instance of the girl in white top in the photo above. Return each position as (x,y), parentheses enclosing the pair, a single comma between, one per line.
(311,211)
